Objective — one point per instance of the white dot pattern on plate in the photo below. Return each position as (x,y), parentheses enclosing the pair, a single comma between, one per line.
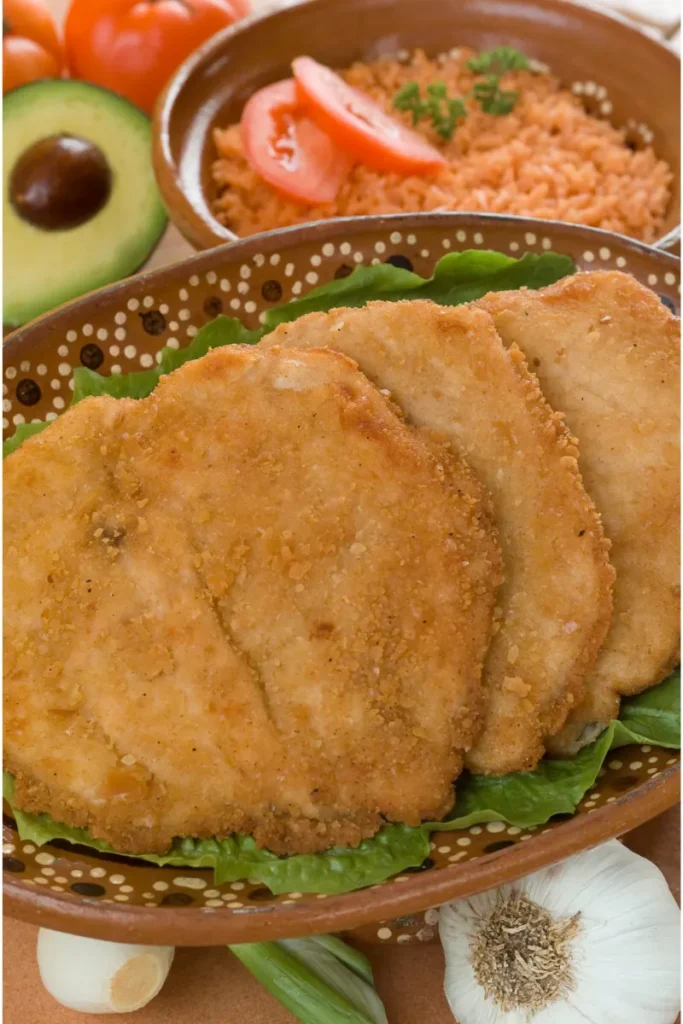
(319,263)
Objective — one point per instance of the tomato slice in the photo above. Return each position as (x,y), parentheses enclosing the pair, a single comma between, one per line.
(287,149)
(359,125)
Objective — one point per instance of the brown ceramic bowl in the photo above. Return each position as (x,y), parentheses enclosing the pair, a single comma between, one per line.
(122,328)
(586,48)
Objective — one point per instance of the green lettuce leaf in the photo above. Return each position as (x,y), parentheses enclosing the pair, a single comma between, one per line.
(527,798)
(320,980)
(652,717)
(222,331)
(524,799)
(23,431)
(557,787)
(392,850)
(458,277)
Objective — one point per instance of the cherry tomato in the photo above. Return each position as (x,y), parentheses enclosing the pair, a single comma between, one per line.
(287,149)
(134,46)
(359,125)
(30,45)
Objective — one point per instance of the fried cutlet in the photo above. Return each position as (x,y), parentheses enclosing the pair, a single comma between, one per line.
(607,352)
(449,371)
(253,602)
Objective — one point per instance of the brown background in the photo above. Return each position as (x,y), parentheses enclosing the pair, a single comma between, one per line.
(209,986)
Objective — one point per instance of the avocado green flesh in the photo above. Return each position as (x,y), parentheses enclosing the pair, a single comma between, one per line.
(43,269)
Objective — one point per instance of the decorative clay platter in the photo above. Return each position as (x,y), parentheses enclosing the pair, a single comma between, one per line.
(123,328)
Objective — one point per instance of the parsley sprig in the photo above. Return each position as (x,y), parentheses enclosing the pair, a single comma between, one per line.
(445,111)
(498,61)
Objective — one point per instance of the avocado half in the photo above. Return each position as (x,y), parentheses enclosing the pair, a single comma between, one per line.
(81,206)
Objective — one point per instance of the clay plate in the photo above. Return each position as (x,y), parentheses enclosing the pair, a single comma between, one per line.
(621,74)
(122,328)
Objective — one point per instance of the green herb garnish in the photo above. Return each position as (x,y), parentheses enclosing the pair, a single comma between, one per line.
(498,61)
(445,111)
(492,99)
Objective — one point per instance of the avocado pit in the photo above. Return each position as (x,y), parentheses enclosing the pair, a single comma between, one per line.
(60,182)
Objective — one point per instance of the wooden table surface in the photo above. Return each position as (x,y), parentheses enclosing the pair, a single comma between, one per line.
(209,986)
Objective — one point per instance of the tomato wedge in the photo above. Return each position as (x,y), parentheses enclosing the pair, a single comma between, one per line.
(359,125)
(287,149)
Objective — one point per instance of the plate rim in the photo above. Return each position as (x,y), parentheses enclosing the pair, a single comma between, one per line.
(322,230)
(207,926)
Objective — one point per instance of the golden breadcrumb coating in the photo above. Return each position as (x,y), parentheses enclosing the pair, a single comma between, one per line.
(607,352)
(449,371)
(254,602)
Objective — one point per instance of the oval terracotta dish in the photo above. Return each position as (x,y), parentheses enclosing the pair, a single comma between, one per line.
(123,328)
(622,74)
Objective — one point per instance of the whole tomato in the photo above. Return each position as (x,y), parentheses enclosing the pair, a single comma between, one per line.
(30,45)
(134,46)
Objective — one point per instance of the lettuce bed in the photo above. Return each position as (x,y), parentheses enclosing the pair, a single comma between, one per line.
(523,799)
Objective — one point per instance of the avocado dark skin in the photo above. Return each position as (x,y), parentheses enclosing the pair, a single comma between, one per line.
(60,182)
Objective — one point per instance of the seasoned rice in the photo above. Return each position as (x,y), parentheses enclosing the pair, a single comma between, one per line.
(549,158)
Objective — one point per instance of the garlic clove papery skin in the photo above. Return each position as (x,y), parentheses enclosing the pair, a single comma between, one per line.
(625,953)
(92,976)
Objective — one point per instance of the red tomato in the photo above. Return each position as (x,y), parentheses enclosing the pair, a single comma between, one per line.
(30,45)
(134,46)
(288,150)
(359,125)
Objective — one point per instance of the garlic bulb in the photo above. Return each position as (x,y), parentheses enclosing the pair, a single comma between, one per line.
(593,940)
(101,977)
